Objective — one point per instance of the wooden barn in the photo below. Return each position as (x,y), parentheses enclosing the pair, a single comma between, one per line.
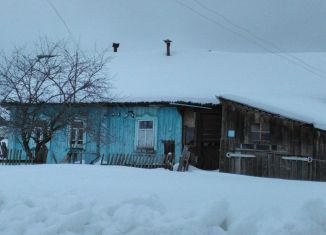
(258,142)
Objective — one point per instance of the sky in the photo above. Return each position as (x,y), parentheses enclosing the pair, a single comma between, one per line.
(223,25)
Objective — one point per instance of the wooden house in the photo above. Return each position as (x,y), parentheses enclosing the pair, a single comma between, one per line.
(232,136)
(167,104)
(147,129)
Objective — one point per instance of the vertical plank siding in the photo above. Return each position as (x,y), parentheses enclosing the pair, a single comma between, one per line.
(121,131)
(117,133)
(274,166)
(288,138)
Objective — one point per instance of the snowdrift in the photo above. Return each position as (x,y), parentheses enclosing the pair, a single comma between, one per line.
(72,199)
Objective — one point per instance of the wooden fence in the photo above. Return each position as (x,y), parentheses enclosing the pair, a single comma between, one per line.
(14,157)
(278,166)
(79,157)
(137,160)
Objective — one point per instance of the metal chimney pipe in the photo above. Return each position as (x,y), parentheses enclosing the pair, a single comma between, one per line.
(115,46)
(168,44)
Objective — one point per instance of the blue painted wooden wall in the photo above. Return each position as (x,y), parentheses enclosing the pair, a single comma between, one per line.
(121,130)
(118,131)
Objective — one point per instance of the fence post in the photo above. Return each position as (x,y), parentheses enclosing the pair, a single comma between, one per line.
(32,160)
(108,159)
(9,154)
(102,159)
(16,158)
(20,156)
(81,158)
(11,161)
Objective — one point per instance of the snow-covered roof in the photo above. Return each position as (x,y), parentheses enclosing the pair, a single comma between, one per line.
(275,107)
(262,80)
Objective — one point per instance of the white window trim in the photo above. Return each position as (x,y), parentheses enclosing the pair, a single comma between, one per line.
(155,124)
(41,137)
(69,129)
(40,128)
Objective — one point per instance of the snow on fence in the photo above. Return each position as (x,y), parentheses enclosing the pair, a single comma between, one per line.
(137,160)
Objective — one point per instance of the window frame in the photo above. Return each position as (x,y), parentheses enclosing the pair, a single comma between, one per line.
(261,131)
(70,131)
(137,123)
(38,134)
(39,130)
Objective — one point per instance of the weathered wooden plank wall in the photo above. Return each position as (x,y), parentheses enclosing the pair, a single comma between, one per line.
(274,166)
(287,138)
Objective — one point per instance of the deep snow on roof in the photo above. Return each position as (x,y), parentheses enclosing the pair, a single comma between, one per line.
(264,80)
(288,107)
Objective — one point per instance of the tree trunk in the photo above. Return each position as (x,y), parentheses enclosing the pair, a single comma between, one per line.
(41,153)
(27,149)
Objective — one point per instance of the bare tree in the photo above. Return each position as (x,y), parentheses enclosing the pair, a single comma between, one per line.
(42,89)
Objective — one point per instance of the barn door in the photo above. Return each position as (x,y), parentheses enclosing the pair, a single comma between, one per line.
(208,139)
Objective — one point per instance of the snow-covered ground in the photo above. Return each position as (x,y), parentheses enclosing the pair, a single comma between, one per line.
(81,199)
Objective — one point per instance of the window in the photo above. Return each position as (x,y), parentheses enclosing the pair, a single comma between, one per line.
(145,135)
(40,131)
(260,132)
(38,134)
(77,134)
